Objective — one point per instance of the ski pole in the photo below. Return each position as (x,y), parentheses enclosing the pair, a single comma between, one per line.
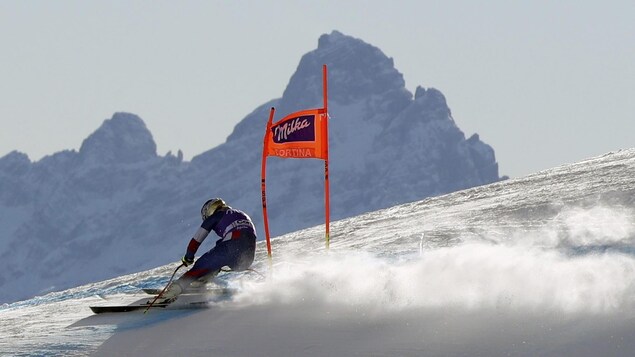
(162,291)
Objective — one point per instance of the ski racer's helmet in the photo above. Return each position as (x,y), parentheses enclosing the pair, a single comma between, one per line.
(211,206)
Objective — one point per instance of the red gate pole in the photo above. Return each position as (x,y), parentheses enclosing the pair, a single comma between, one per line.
(326,161)
(263,183)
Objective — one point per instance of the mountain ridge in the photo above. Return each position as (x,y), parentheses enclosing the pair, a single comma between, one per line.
(68,215)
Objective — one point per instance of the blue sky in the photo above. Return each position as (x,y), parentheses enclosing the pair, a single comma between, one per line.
(545,83)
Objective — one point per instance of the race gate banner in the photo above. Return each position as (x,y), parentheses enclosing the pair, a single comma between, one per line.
(299,135)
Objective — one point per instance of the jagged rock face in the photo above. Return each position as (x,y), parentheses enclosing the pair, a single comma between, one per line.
(65,219)
(386,147)
(357,72)
(122,139)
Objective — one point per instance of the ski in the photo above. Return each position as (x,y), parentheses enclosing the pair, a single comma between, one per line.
(125,308)
(215,291)
(194,304)
(185,301)
(190,298)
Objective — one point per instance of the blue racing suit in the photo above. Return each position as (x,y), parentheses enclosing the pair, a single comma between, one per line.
(235,248)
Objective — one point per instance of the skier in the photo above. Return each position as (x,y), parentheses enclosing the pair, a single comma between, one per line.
(235,248)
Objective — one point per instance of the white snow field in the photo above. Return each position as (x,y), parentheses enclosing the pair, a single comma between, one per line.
(538,266)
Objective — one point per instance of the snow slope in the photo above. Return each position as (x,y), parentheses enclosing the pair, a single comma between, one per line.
(542,265)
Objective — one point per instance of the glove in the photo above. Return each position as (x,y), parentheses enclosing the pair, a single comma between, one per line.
(187,261)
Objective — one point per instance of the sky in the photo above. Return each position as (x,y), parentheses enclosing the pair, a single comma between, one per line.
(544,83)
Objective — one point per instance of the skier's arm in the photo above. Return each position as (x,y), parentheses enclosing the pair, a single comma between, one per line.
(195,242)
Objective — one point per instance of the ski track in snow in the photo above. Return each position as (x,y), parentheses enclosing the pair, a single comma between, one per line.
(554,249)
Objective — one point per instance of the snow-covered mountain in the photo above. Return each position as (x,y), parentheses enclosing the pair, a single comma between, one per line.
(116,207)
(538,266)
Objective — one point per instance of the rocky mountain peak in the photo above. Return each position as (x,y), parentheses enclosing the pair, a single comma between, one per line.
(14,162)
(124,139)
(357,71)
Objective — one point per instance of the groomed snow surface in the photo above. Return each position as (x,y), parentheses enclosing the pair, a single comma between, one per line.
(542,265)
